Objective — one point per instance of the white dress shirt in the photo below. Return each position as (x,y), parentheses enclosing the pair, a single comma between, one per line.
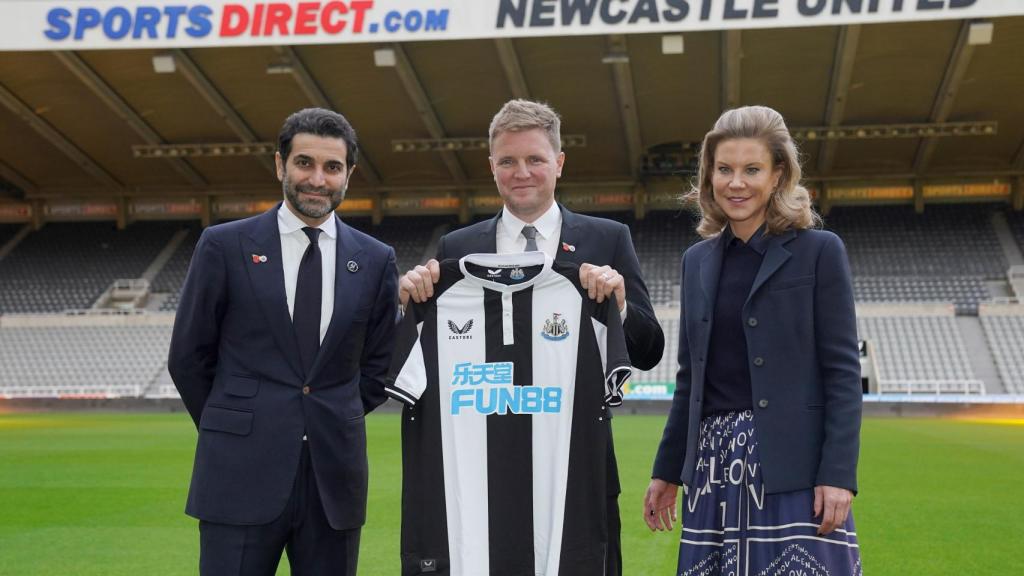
(510,237)
(293,245)
(549,231)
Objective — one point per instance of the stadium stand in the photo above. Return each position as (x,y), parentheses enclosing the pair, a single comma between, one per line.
(1005,336)
(945,254)
(918,353)
(410,237)
(665,371)
(58,361)
(7,231)
(171,277)
(1016,223)
(69,265)
(660,240)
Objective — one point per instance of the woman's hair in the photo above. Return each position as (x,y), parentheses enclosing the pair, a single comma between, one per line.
(789,205)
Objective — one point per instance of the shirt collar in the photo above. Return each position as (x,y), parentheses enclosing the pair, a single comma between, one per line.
(758,240)
(288,222)
(547,224)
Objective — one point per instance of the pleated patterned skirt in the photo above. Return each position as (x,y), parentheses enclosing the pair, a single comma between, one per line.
(732,528)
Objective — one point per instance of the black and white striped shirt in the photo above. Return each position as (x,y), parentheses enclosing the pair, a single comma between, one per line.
(506,374)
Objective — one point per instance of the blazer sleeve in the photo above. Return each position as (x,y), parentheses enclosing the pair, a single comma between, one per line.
(195,339)
(668,464)
(376,358)
(835,335)
(645,339)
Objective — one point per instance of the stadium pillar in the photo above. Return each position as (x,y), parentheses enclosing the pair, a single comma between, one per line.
(918,197)
(1017,195)
(206,212)
(37,214)
(824,199)
(377,212)
(639,201)
(463,206)
(122,212)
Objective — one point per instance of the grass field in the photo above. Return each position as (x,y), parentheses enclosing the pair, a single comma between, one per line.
(102,494)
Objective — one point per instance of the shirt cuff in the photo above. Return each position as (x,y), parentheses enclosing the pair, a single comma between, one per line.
(622,313)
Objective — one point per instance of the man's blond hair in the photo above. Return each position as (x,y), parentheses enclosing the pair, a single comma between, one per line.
(519,115)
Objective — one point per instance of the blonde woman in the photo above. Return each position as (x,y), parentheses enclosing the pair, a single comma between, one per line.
(765,422)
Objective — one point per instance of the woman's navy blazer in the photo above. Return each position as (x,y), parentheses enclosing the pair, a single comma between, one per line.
(801,333)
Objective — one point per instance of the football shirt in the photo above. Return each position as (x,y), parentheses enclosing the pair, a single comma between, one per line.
(506,373)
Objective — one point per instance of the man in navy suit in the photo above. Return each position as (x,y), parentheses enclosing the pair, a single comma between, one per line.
(526,161)
(280,347)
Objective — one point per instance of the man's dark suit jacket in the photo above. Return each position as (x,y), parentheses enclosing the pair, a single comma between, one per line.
(801,334)
(597,241)
(236,364)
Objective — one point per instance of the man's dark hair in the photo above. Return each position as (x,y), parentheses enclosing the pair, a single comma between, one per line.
(318,122)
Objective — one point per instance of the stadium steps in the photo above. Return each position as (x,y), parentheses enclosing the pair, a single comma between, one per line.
(1005,336)
(1011,250)
(9,244)
(431,247)
(165,255)
(982,362)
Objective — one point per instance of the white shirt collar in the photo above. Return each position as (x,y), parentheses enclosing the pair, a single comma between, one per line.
(288,222)
(547,224)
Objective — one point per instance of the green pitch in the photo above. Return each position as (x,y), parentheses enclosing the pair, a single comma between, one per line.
(102,494)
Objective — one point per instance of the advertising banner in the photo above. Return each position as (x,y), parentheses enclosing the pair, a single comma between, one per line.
(123,24)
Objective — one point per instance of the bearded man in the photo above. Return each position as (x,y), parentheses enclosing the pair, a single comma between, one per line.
(281,344)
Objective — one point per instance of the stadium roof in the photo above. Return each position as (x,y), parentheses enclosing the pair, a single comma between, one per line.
(70,118)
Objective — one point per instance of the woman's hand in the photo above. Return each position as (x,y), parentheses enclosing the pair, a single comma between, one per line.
(660,505)
(833,505)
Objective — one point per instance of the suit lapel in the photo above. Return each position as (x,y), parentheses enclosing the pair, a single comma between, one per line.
(710,269)
(267,280)
(569,235)
(348,285)
(774,257)
(487,241)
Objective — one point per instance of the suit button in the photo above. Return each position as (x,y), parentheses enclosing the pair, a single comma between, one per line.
(758,361)
(305,389)
(762,403)
(752,322)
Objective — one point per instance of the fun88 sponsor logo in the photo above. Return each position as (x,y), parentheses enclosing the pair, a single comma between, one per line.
(487,389)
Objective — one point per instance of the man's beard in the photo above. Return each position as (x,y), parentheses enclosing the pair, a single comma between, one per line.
(311,208)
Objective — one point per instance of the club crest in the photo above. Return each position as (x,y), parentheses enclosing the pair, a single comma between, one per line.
(517,274)
(555,328)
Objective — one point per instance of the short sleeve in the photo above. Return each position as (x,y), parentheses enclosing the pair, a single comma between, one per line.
(611,341)
(407,378)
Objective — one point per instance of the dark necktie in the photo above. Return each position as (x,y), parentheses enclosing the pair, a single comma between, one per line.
(308,296)
(531,238)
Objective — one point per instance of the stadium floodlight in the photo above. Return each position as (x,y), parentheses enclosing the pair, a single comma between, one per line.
(889,131)
(463,144)
(204,150)
(980,33)
(280,67)
(615,58)
(384,58)
(164,64)
(672,44)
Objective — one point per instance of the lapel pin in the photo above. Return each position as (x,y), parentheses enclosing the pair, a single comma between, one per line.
(258,258)
(566,247)
(352,266)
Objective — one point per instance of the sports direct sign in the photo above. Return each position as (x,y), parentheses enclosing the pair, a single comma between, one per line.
(101,24)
